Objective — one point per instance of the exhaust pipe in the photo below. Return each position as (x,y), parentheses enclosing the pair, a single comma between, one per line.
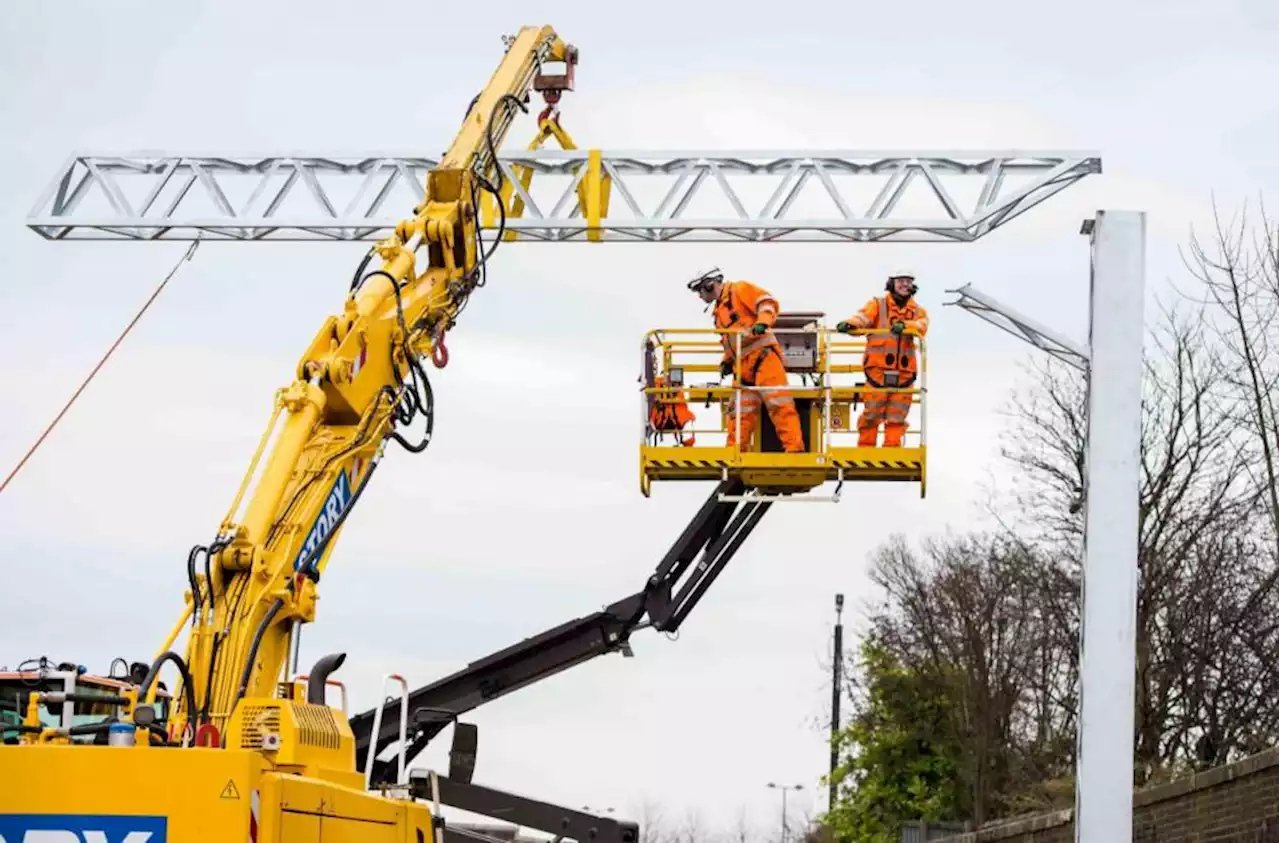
(320,674)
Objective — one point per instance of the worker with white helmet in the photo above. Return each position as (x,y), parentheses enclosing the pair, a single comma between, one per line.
(889,361)
(749,311)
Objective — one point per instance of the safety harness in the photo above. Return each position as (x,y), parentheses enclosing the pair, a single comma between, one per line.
(670,414)
(894,351)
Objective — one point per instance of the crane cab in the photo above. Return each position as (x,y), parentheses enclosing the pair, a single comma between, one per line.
(688,409)
(16,688)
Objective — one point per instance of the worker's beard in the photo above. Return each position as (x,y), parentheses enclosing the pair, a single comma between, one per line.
(900,301)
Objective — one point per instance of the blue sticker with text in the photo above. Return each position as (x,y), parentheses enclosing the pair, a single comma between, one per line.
(82,828)
(335,503)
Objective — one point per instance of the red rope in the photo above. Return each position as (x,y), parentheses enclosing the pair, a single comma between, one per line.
(190,251)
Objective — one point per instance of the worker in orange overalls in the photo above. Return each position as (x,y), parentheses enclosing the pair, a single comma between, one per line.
(890,358)
(748,313)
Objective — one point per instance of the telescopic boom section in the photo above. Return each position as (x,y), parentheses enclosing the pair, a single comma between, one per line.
(360,379)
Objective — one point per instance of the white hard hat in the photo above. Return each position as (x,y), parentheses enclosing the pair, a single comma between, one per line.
(901,272)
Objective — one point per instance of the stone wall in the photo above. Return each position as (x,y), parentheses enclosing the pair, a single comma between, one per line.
(1232,804)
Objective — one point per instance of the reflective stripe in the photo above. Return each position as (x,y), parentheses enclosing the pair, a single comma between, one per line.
(897,412)
(750,347)
(881,345)
(761,342)
(779,400)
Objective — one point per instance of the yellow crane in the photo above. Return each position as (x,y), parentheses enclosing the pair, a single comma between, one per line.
(262,754)
(245,746)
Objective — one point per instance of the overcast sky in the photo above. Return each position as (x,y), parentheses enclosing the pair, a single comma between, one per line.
(479,542)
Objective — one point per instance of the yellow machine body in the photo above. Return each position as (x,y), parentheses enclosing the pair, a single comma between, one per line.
(824,371)
(286,773)
(194,796)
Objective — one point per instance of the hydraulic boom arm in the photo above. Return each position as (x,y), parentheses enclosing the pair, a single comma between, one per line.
(679,581)
(358,382)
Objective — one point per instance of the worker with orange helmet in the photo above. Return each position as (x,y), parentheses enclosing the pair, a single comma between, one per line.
(889,361)
(747,313)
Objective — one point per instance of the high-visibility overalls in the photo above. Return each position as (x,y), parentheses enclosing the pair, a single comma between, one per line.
(889,361)
(740,307)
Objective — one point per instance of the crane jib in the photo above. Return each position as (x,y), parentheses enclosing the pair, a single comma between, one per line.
(327,520)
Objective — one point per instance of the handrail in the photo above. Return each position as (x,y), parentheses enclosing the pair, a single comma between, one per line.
(664,347)
(404,729)
(302,677)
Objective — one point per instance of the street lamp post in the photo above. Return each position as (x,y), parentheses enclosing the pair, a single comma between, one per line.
(784,788)
(837,657)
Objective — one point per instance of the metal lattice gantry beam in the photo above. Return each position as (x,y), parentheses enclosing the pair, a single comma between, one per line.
(720,196)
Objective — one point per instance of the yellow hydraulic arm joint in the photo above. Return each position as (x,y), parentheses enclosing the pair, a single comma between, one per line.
(361,377)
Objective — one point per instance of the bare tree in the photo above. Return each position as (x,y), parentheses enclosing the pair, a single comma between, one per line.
(994,619)
(652,821)
(742,832)
(1237,275)
(691,829)
(1199,493)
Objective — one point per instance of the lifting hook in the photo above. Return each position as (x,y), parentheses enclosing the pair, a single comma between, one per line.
(439,352)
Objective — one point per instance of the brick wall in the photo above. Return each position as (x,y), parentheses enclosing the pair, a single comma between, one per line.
(1232,804)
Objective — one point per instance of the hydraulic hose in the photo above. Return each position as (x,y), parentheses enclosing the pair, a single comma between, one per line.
(253,648)
(188,689)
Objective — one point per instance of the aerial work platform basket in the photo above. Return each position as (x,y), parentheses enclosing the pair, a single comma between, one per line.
(686,422)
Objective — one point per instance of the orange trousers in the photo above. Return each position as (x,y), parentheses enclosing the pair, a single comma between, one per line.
(887,408)
(767,367)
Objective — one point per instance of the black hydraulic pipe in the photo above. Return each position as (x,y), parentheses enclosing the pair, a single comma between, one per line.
(188,689)
(276,606)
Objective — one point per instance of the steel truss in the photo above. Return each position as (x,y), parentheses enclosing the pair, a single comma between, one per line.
(824,196)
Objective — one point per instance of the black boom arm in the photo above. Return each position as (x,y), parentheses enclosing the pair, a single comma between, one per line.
(677,584)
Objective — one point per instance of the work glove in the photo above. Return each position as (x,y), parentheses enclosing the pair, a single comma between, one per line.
(726,368)
(845,327)
(759,328)
(898,327)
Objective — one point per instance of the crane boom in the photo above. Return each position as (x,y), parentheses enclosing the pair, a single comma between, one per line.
(360,380)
